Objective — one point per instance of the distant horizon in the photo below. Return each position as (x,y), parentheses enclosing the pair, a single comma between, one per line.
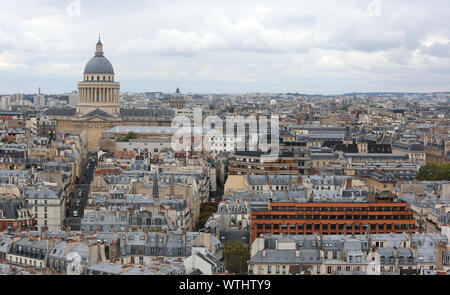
(243,93)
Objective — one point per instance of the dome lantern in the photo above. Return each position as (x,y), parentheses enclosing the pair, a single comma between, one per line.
(99,48)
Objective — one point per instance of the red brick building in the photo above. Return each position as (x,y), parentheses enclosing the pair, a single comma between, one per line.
(381,216)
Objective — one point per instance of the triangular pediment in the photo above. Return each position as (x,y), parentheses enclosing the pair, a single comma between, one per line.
(95,118)
(98,113)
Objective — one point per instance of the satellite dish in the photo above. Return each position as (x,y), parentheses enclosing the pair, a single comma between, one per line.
(73,267)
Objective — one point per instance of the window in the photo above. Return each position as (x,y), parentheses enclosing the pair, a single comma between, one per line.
(329,269)
(269,269)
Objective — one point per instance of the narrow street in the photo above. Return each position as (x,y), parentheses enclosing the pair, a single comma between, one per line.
(79,199)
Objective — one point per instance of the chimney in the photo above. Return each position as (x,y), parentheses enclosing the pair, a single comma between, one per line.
(51,242)
(43,233)
(414,252)
(102,252)
(184,236)
(165,237)
(349,183)
(439,249)
(264,252)
(297,253)
(89,254)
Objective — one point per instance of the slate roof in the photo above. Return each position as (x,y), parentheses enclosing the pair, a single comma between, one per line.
(10,208)
(41,194)
(98,112)
(150,112)
(60,112)
(306,256)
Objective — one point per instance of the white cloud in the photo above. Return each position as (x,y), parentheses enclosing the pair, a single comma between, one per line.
(231,45)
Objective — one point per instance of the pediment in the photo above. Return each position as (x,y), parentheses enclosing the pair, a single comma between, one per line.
(95,118)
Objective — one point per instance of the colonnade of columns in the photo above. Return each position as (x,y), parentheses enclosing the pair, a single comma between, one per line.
(99,95)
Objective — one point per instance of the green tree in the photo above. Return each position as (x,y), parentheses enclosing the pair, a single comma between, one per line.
(236,254)
(434,172)
(206,211)
(126,138)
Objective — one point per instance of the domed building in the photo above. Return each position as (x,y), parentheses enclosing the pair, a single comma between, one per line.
(98,108)
(99,91)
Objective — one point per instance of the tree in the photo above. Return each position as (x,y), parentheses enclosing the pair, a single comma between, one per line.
(236,254)
(434,172)
(206,211)
(130,135)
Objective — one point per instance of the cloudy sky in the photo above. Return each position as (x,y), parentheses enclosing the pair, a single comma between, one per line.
(316,47)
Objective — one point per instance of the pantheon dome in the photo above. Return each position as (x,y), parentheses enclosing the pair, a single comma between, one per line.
(98,93)
(99,64)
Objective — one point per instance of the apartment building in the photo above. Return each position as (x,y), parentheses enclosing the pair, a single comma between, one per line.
(330,217)
(248,163)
